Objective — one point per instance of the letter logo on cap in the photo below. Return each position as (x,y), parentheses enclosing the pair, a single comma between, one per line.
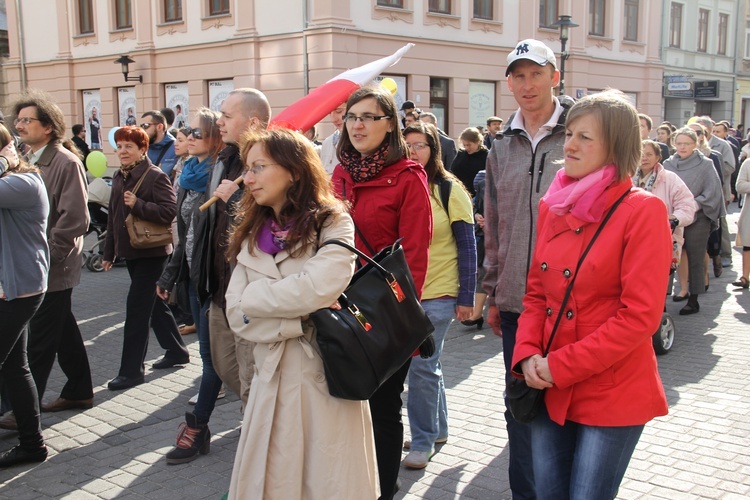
(522,49)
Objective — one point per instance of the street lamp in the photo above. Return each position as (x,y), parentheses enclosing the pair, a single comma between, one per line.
(565,23)
(124,62)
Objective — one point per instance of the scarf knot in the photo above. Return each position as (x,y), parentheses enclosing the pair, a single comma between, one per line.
(272,237)
(364,168)
(582,197)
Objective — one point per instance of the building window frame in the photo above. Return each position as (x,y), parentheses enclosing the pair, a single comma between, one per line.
(703,20)
(675,25)
(123,15)
(172,11)
(631,16)
(597,17)
(723,37)
(218,8)
(440,7)
(549,13)
(391,4)
(440,99)
(483,10)
(85,17)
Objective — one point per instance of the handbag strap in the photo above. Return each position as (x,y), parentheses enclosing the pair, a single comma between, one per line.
(578,267)
(380,268)
(138,184)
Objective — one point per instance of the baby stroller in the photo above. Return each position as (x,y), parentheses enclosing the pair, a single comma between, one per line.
(663,339)
(100,190)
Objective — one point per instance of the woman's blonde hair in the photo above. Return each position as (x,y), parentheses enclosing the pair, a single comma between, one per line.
(472,134)
(309,200)
(619,125)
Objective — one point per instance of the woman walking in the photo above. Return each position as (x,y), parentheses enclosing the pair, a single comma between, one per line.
(154,201)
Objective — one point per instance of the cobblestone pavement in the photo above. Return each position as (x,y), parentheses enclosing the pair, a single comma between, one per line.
(116,449)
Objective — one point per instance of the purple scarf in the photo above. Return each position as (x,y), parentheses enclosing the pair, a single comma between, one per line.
(272,237)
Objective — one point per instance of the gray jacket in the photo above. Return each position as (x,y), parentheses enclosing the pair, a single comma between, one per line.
(24,254)
(517,178)
(68,221)
(727,155)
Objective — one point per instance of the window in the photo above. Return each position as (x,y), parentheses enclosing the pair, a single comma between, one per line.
(631,20)
(399,4)
(675,25)
(747,40)
(440,6)
(218,7)
(548,13)
(483,9)
(172,11)
(723,27)
(85,17)
(702,30)
(439,101)
(123,19)
(596,17)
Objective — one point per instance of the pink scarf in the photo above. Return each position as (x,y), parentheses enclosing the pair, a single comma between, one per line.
(580,197)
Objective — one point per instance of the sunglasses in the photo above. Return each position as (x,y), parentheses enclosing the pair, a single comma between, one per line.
(145,126)
(195,132)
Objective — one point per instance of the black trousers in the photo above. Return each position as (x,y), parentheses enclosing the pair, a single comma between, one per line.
(143,306)
(54,331)
(14,368)
(388,429)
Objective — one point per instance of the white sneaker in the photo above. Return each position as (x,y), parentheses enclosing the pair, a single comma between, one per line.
(407,443)
(417,459)
(194,400)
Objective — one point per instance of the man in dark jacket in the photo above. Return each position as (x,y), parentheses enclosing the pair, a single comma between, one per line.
(161,144)
(53,331)
(242,110)
(79,139)
(520,167)
(447,145)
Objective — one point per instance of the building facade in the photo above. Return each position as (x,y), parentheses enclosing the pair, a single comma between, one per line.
(191,53)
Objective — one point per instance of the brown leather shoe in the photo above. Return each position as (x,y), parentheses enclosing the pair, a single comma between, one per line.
(61,404)
(8,421)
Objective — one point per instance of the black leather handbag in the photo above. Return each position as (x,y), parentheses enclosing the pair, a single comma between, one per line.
(524,402)
(380,325)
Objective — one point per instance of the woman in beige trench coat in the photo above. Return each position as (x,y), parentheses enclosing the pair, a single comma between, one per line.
(297,441)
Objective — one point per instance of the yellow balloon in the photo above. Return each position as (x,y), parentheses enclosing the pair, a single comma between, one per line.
(96,163)
(390,85)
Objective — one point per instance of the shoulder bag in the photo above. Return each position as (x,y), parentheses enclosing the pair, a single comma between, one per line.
(144,233)
(524,402)
(380,325)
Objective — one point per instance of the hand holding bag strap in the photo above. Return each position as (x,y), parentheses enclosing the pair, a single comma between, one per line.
(578,267)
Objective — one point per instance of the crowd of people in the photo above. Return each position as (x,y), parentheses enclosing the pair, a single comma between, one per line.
(564,193)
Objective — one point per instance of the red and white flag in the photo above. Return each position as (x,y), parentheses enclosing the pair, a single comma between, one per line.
(312,108)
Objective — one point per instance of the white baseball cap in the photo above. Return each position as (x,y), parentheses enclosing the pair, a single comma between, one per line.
(533,50)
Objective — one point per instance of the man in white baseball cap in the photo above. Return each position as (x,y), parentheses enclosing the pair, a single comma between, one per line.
(533,50)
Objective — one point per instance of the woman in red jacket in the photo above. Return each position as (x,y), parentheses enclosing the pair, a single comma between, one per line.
(600,376)
(389,200)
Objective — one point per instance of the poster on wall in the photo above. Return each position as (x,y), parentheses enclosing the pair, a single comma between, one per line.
(400,95)
(92,105)
(481,102)
(127,106)
(177,99)
(218,90)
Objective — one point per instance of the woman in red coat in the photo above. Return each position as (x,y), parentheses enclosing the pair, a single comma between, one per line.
(600,376)
(389,200)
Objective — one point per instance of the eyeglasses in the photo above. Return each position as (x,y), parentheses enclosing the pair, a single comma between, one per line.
(145,126)
(25,120)
(684,144)
(258,168)
(418,146)
(366,119)
(195,132)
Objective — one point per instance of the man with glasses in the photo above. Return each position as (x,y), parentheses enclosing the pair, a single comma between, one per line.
(161,144)
(53,331)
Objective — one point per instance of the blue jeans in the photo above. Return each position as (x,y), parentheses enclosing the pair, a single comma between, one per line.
(520,466)
(579,461)
(428,412)
(210,382)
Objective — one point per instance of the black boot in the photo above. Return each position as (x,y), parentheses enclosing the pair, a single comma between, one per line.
(192,439)
(692,306)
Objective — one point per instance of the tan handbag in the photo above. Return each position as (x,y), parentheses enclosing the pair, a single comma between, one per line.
(144,233)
